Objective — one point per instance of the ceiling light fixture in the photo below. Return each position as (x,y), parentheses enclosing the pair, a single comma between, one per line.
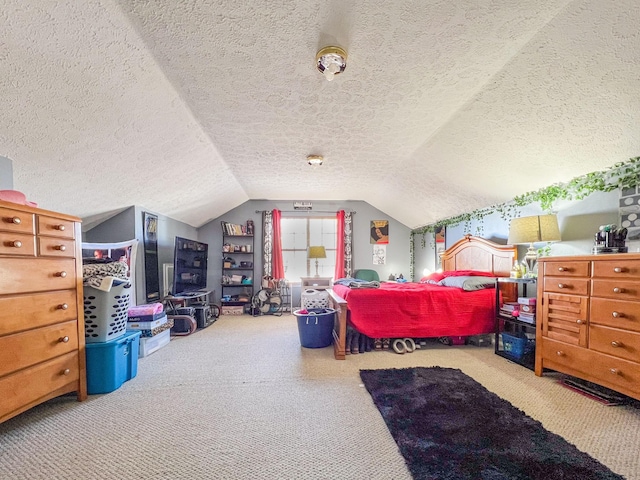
(331,61)
(315,160)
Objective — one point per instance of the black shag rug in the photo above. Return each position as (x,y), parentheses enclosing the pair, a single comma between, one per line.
(448,426)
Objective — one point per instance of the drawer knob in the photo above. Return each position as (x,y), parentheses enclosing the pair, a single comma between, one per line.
(561,269)
(615,371)
(561,285)
(66,371)
(560,353)
(615,344)
(617,314)
(618,290)
(64,339)
(16,220)
(61,274)
(17,244)
(62,248)
(579,322)
(59,227)
(63,306)
(618,270)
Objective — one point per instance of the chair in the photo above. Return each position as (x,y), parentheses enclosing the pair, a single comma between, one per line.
(368,275)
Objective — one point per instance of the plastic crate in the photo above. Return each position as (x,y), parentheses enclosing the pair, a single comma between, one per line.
(148,345)
(315,326)
(517,347)
(110,364)
(106,313)
(314,299)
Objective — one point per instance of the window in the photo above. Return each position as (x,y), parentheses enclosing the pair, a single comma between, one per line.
(298,233)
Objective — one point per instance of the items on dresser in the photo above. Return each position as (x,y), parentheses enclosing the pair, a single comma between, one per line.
(589,319)
(42,345)
(610,239)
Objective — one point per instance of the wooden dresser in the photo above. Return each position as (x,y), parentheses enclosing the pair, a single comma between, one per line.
(588,321)
(42,352)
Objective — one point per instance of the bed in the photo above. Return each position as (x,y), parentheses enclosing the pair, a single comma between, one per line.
(417,310)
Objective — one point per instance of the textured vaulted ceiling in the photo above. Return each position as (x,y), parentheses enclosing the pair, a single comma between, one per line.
(189,108)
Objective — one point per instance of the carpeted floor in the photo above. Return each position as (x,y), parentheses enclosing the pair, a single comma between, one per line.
(448,426)
(242,400)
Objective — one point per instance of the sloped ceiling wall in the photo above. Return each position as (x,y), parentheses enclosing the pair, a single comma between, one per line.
(189,108)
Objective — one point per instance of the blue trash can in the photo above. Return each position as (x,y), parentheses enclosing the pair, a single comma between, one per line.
(315,326)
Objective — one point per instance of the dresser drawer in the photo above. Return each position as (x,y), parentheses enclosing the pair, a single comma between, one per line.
(573,286)
(617,269)
(565,358)
(24,349)
(34,383)
(56,247)
(616,289)
(17,244)
(55,227)
(615,342)
(566,269)
(616,373)
(21,275)
(16,221)
(615,313)
(24,312)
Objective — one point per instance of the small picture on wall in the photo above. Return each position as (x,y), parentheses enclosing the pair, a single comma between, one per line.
(380,231)
(379,254)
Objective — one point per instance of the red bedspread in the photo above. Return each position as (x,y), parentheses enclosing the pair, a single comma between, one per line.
(419,310)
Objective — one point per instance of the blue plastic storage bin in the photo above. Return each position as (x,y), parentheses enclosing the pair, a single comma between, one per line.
(316,327)
(110,364)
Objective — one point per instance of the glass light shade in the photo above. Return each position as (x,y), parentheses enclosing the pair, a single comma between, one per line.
(538,228)
(529,230)
(316,252)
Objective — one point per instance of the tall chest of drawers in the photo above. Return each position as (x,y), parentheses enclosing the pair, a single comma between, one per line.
(589,319)
(42,348)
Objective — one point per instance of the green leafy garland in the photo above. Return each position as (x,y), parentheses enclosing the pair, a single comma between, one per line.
(622,175)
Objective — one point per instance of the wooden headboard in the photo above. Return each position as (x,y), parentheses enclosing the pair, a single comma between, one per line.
(475,253)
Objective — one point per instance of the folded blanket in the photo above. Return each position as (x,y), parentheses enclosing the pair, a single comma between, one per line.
(103,276)
(357,283)
(147,309)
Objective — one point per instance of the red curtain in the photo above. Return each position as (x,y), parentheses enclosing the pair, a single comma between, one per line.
(276,254)
(339,273)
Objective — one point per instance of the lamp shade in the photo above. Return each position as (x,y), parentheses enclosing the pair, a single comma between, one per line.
(538,228)
(316,252)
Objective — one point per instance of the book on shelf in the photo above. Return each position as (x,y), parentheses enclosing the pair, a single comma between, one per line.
(510,306)
(233,228)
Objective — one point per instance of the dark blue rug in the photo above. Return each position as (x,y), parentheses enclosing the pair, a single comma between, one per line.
(448,426)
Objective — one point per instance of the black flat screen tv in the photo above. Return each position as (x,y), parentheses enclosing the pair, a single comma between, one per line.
(189,266)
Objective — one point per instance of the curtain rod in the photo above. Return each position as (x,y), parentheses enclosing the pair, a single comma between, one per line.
(302,211)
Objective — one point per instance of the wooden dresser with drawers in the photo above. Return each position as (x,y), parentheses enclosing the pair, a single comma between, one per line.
(588,323)
(42,348)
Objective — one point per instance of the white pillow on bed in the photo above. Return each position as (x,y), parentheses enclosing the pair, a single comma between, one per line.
(468,283)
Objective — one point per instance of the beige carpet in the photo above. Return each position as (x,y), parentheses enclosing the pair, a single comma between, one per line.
(242,400)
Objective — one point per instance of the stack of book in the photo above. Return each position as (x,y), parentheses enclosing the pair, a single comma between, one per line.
(508,308)
(153,324)
(527,308)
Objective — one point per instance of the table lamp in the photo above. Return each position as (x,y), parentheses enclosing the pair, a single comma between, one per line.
(316,252)
(529,230)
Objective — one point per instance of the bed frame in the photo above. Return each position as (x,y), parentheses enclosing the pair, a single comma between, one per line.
(469,253)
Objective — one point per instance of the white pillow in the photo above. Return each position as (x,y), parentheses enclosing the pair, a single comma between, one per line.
(468,283)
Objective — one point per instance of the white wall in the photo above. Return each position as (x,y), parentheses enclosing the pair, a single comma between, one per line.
(578,221)
(398,254)
(6,174)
